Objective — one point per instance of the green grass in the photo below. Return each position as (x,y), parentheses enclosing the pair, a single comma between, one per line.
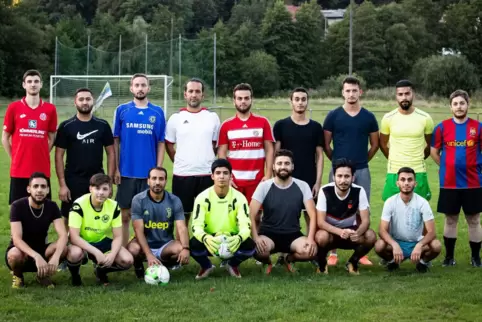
(442,294)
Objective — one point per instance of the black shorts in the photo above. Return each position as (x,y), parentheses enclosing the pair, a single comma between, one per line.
(187,189)
(128,188)
(282,242)
(340,243)
(451,200)
(105,246)
(18,189)
(29,265)
(78,188)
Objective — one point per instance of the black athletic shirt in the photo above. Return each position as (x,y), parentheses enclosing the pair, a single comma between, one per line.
(34,230)
(302,140)
(84,143)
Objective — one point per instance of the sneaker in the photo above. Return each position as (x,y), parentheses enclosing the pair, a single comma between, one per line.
(223,263)
(45,281)
(258,263)
(332,259)
(290,266)
(383,262)
(281,261)
(325,271)
(175,267)
(62,266)
(421,267)
(76,280)
(448,262)
(365,261)
(204,272)
(17,282)
(352,268)
(476,262)
(392,266)
(267,268)
(233,271)
(101,276)
(315,263)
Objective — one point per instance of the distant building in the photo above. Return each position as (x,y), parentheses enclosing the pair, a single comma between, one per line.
(331,16)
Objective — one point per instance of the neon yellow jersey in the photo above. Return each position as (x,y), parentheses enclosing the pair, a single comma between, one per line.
(94,225)
(407,139)
(213,215)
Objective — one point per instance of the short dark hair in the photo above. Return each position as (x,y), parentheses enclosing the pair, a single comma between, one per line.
(157,168)
(37,175)
(32,72)
(221,163)
(351,80)
(404,83)
(284,153)
(300,90)
(460,93)
(137,75)
(243,87)
(343,163)
(405,170)
(195,80)
(83,89)
(99,179)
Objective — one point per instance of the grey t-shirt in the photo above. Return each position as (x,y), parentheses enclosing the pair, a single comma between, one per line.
(282,206)
(158,217)
(407,220)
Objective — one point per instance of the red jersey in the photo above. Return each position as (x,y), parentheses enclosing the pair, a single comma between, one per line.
(245,140)
(30,142)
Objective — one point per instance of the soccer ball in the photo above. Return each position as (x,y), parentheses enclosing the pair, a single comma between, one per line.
(157,275)
(223,251)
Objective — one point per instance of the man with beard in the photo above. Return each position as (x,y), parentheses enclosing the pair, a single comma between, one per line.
(95,227)
(343,218)
(28,136)
(154,214)
(194,132)
(407,228)
(30,219)
(283,198)
(83,137)
(246,141)
(456,147)
(351,127)
(139,129)
(408,131)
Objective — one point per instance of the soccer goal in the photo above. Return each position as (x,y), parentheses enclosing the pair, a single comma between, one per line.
(109,91)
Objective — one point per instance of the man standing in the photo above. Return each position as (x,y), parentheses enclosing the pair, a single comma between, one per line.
(194,131)
(139,128)
(154,214)
(282,198)
(408,130)
(30,124)
(351,127)
(83,137)
(456,147)
(405,217)
(30,219)
(343,218)
(221,210)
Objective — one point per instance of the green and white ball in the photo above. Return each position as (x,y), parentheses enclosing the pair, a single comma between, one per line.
(157,275)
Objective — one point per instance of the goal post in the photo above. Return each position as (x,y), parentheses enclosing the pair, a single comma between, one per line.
(115,90)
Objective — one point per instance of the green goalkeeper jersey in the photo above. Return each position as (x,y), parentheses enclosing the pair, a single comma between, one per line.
(214,215)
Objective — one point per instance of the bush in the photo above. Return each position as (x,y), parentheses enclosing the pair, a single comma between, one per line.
(261,71)
(441,75)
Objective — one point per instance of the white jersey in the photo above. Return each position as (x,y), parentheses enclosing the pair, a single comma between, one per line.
(193,134)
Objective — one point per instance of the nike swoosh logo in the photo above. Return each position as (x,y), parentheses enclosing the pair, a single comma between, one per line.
(83,136)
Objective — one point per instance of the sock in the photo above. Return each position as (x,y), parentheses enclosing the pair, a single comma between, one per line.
(354,259)
(18,273)
(321,256)
(203,261)
(74,268)
(138,263)
(475,247)
(449,247)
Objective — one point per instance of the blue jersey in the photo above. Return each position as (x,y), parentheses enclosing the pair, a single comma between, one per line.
(139,130)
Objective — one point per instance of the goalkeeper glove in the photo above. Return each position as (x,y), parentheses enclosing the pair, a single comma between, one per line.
(212,244)
(233,243)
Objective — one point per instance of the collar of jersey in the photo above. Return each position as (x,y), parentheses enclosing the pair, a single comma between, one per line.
(93,208)
(150,197)
(149,104)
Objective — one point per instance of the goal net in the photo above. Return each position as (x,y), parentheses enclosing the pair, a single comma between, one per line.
(109,92)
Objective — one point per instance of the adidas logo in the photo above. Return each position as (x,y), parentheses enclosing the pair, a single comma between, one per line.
(245,126)
(186,122)
(140,113)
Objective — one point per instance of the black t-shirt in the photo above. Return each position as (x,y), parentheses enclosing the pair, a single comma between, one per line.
(34,230)
(302,140)
(84,143)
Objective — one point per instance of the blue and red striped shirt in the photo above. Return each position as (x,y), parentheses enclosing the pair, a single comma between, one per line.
(461,157)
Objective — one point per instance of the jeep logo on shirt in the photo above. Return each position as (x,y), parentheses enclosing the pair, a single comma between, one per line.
(157,225)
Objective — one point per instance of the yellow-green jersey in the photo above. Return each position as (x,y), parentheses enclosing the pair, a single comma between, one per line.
(94,225)
(213,215)
(407,139)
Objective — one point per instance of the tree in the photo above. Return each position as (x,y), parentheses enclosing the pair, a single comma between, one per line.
(205,15)
(261,71)
(253,11)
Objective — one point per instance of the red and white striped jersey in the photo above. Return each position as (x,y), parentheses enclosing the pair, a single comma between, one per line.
(245,140)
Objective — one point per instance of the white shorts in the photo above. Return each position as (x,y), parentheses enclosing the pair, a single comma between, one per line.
(158,251)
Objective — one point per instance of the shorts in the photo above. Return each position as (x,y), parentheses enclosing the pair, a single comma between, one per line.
(362,178)
(78,188)
(18,189)
(128,188)
(158,251)
(407,248)
(248,191)
(282,242)
(450,201)
(29,265)
(422,188)
(105,246)
(188,188)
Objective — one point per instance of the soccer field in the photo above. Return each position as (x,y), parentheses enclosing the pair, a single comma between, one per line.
(443,293)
